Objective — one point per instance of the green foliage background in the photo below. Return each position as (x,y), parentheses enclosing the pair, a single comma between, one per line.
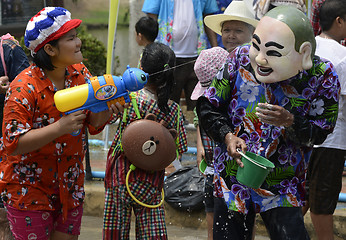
(94,52)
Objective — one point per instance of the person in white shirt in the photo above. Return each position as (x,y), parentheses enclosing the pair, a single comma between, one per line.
(181,27)
(326,165)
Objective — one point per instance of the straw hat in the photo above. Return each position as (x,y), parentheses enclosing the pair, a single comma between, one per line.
(236,10)
(206,66)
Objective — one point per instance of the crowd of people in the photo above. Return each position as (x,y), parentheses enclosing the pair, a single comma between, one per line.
(259,76)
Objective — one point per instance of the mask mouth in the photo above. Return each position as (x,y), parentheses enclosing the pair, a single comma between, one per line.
(264,71)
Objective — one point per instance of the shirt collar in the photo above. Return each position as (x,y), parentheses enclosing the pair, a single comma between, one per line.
(44,82)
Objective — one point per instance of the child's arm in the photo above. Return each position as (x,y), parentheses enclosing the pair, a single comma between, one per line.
(99,119)
(37,138)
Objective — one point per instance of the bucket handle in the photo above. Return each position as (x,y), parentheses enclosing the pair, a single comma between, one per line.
(241,153)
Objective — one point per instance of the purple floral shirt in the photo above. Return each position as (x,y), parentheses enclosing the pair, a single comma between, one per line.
(312,96)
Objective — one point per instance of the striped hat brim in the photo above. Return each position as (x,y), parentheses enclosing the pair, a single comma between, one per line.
(68,26)
(49,24)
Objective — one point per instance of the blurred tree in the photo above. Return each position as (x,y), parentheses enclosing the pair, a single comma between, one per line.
(94,52)
(59,3)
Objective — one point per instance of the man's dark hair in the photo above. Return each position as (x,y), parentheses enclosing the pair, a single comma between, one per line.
(330,10)
(148,27)
(42,59)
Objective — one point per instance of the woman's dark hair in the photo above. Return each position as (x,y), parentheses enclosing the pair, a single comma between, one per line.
(148,27)
(329,11)
(42,59)
(158,60)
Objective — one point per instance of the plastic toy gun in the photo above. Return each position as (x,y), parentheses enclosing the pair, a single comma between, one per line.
(100,92)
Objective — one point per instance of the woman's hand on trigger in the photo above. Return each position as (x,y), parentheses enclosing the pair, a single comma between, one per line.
(117,107)
(72,122)
(233,143)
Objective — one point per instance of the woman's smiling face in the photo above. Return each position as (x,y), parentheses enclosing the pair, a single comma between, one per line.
(272,53)
(68,51)
(234,34)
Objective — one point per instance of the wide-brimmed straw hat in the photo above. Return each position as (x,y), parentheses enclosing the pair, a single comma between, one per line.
(48,24)
(206,66)
(236,10)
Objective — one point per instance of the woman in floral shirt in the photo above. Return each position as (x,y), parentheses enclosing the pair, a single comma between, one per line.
(275,99)
(41,170)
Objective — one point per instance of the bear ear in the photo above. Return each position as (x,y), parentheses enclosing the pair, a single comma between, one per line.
(174,133)
(150,116)
(164,123)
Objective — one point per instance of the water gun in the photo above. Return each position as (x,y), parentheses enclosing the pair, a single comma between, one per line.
(100,92)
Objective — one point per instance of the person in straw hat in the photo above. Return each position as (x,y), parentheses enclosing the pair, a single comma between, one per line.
(181,28)
(236,25)
(42,172)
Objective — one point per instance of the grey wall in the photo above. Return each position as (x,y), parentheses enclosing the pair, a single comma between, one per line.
(135,14)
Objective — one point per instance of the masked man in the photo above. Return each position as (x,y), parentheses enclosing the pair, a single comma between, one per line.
(276,99)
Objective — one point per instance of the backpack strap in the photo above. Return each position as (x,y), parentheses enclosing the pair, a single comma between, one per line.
(178,127)
(133,98)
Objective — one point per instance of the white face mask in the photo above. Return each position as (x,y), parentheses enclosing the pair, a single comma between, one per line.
(272,54)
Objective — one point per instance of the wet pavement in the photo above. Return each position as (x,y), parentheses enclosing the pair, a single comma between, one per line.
(92,226)
(92,230)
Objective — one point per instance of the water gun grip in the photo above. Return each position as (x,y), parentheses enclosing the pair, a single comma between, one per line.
(121,100)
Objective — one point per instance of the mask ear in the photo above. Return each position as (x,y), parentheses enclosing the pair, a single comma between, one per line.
(150,116)
(305,50)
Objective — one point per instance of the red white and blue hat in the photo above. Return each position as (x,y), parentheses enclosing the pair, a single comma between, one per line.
(49,24)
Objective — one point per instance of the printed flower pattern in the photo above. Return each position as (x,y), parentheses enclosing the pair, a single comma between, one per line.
(243,192)
(31,180)
(311,96)
(236,114)
(248,93)
(289,186)
(166,18)
(287,154)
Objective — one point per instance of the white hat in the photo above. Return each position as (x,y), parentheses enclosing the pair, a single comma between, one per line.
(236,10)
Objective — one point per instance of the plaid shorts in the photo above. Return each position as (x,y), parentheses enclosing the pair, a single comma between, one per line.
(150,222)
(324,179)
